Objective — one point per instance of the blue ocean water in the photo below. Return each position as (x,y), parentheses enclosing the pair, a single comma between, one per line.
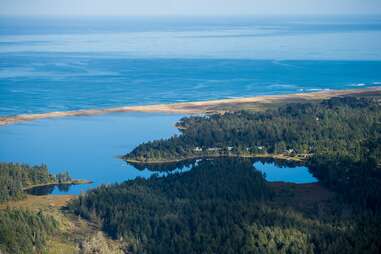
(58,64)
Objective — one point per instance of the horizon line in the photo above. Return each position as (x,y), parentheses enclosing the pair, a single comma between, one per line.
(193,15)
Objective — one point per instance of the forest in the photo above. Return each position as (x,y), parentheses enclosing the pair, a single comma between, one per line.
(223,205)
(15,177)
(24,231)
(345,126)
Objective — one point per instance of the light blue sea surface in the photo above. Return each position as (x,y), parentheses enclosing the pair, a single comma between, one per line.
(59,64)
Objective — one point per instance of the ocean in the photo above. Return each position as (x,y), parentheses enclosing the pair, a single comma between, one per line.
(59,64)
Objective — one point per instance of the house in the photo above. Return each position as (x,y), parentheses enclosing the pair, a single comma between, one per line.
(197,149)
(290,151)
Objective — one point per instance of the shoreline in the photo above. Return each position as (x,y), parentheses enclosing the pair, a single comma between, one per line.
(198,107)
(283,157)
(72,182)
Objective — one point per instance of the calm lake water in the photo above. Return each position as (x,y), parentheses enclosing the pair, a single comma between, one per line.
(88,147)
(282,173)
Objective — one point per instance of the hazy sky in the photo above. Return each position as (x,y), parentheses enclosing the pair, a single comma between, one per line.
(187,7)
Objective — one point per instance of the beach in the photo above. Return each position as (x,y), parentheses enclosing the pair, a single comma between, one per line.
(198,107)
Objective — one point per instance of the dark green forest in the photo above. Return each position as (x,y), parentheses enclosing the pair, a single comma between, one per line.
(223,206)
(24,231)
(345,126)
(226,206)
(341,136)
(15,177)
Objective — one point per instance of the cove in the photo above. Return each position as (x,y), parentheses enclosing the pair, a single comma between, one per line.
(88,147)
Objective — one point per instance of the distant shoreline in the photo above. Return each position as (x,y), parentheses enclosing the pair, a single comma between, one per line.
(198,107)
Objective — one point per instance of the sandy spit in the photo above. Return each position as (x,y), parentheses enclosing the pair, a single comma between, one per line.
(190,107)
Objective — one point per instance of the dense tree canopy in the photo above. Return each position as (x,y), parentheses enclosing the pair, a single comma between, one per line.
(15,177)
(220,206)
(24,232)
(345,125)
(225,206)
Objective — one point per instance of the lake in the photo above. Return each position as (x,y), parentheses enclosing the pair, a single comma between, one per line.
(88,147)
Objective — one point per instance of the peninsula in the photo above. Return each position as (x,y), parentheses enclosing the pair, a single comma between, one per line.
(346,125)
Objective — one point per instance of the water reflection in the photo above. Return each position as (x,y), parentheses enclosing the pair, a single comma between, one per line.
(285,171)
(60,189)
(165,167)
(48,189)
(273,170)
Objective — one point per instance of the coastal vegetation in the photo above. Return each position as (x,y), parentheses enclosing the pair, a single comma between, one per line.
(341,125)
(223,205)
(23,231)
(16,178)
(339,139)
(28,225)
